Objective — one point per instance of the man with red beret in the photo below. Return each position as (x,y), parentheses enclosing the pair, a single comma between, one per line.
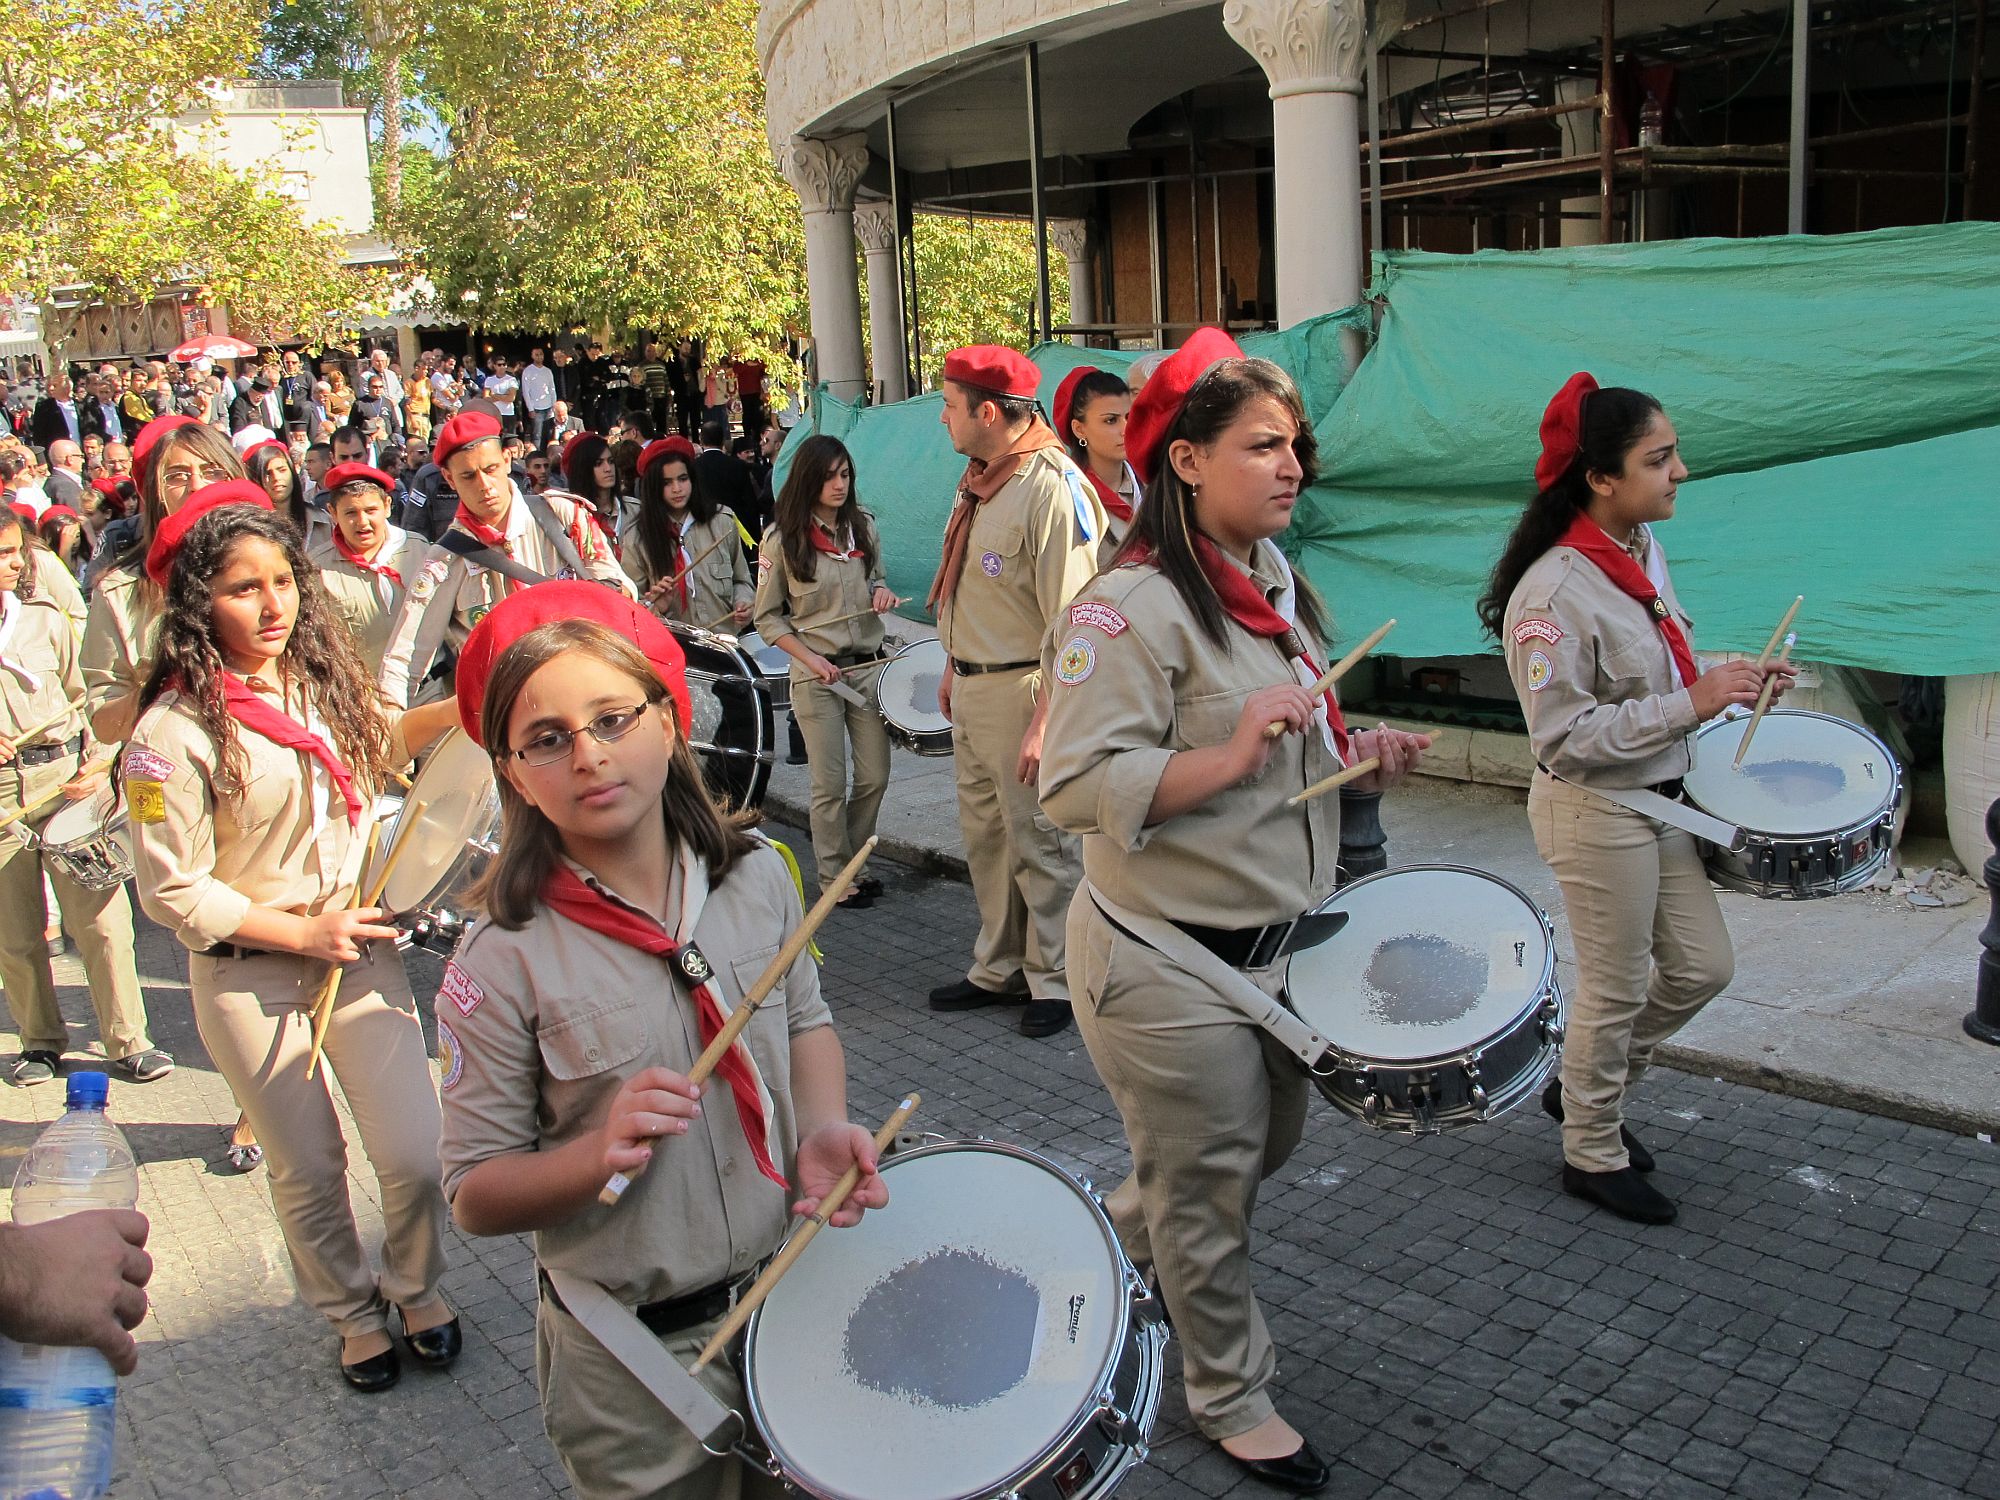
(367,561)
(1021,541)
(501,539)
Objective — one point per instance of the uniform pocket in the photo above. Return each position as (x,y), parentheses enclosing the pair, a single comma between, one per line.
(594,1042)
(996,552)
(1207,719)
(1633,659)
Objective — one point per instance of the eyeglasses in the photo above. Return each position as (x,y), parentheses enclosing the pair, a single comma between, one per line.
(180,476)
(552,745)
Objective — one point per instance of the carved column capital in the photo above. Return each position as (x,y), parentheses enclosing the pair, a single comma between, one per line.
(1070,237)
(1303,46)
(825,173)
(874,226)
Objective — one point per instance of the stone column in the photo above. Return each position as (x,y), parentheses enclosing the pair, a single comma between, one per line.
(875,227)
(825,175)
(1579,138)
(1071,238)
(1311,51)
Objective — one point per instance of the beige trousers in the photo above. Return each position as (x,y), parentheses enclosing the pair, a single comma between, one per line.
(615,1439)
(252,1016)
(100,921)
(842,819)
(1212,1106)
(1651,950)
(1024,869)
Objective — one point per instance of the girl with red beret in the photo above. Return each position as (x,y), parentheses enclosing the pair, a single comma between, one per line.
(686,559)
(1090,409)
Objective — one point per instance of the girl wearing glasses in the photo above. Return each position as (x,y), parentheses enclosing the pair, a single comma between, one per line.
(249,784)
(625,917)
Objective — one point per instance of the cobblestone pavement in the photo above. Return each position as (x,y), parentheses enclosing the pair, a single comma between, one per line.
(1824,1320)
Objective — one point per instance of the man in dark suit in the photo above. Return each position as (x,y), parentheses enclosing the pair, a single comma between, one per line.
(257,407)
(56,417)
(97,411)
(295,389)
(728,481)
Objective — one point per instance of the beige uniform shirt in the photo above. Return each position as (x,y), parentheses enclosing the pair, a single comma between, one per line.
(787,605)
(42,644)
(1115,529)
(119,637)
(539,1029)
(54,581)
(1135,682)
(716,584)
(1604,704)
(449,595)
(368,601)
(1026,560)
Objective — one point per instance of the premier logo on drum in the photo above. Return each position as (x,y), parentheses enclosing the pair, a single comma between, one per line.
(1075,1315)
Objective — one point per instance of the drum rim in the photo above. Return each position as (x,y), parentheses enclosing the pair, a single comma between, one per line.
(1893,794)
(482,830)
(114,814)
(932,732)
(1121,1336)
(1538,997)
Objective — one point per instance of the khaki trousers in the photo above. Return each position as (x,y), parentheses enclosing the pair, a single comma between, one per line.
(615,1439)
(1024,869)
(1212,1106)
(1651,950)
(252,1016)
(842,819)
(100,921)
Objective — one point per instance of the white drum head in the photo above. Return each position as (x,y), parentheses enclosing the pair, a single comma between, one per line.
(81,820)
(933,1351)
(1806,773)
(1433,960)
(770,660)
(906,689)
(461,803)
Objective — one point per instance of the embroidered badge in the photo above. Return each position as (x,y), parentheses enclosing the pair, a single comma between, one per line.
(1537,629)
(451,1058)
(694,968)
(1099,617)
(425,583)
(765,562)
(989,564)
(145,801)
(1540,669)
(475,615)
(461,989)
(147,765)
(1076,661)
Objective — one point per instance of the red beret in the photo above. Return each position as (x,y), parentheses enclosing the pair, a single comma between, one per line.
(166,545)
(661,449)
(566,599)
(60,513)
(255,448)
(994,368)
(340,476)
(1562,429)
(1155,407)
(569,447)
(1065,394)
(462,431)
(107,486)
(150,435)
(25,511)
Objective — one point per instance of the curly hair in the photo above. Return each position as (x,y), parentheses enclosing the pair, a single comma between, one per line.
(319,655)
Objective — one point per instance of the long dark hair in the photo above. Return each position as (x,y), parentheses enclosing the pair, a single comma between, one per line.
(1163,530)
(319,656)
(259,465)
(31,543)
(794,508)
(578,470)
(1097,383)
(510,892)
(1615,418)
(659,534)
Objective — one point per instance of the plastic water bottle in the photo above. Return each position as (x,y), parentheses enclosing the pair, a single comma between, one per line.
(59,1406)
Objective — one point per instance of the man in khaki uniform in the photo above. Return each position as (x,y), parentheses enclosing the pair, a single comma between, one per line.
(1021,541)
(544,536)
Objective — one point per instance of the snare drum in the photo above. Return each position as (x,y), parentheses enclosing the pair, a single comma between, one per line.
(732,730)
(1816,797)
(982,1336)
(1438,998)
(906,693)
(448,849)
(88,841)
(774,666)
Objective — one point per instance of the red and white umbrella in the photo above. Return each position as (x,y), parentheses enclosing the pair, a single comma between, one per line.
(212,346)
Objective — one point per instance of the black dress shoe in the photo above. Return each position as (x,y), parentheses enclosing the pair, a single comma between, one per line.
(1552,1106)
(1303,1472)
(965,995)
(1624,1192)
(436,1347)
(376,1373)
(868,885)
(1046,1017)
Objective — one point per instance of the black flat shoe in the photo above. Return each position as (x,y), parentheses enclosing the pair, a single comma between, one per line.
(1552,1106)
(376,1373)
(1303,1472)
(869,886)
(856,899)
(435,1347)
(1046,1017)
(965,995)
(1624,1192)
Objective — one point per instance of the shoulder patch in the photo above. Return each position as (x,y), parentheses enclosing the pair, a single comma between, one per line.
(451,1058)
(765,560)
(1535,628)
(1540,670)
(145,764)
(1099,616)
(145,801)
(1076,661)
(425,583)
(461,989)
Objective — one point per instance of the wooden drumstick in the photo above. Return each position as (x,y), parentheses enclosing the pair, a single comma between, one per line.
(859,614)
(1338,778)
(322,1006)
(693,562)
(1763,702)
(1764,656)
(39,725)
(720,621)
(862,666)
(1337,671)
(795,1246)
(774,972)
(54,792)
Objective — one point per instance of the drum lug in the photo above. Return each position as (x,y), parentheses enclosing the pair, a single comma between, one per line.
(1116,1425)
(487,848)
(1477,1093)
(1371,1105)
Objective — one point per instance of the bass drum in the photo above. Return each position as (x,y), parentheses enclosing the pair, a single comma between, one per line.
(732,733)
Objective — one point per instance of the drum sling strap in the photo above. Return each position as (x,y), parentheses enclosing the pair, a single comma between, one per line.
(475,551)
(639,1350)
(1650,804)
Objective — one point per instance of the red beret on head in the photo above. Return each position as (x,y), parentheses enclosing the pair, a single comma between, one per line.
(995,368)
(1065,396)
(1562,429)
(569,447)
(150,435)
(256,448)
(566,599)
(60,513)
(660,450)
(354,472)
(174,529)
(24,510)
(1166,392)
(106,486)
(462,431)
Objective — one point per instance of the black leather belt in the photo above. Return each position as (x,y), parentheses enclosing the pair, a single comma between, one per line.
(234,950)
(980,669)
(856,658)
(1260,947)
(676,1314)
(41,755)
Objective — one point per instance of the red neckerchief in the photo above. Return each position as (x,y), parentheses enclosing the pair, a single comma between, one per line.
(981,483)
(479,530)
(822,541)
(1119,507)
(565,894)
(368,564)
(255,712)
(1587,537)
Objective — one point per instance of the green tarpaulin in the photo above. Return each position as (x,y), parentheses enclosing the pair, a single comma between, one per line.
(1838,401)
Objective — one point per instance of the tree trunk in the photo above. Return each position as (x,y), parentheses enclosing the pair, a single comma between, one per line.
(391,60)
